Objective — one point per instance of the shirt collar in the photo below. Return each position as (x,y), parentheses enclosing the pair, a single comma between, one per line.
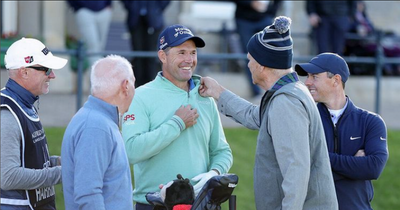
(109,110)
(336,114)
(288,78)
(20,93)
(191,82)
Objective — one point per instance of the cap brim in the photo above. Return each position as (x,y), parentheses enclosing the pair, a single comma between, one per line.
(54,62)
(199,42)
(304,68)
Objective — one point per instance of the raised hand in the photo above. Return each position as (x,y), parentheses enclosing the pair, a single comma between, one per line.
(188,114)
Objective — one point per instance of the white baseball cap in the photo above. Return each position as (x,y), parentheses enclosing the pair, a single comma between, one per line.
(29,52)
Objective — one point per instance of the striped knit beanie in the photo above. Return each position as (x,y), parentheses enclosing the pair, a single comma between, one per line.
(273,46)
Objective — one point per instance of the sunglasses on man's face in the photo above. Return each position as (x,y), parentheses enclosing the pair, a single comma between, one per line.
(47,70)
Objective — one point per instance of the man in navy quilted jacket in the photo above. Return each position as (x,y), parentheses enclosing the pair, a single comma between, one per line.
(356,138)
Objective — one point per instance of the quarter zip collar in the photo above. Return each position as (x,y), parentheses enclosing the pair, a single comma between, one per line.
(288,78)
(347,110)
(22,96)
(109,110)
(336,114)
(336,127)
(191,81)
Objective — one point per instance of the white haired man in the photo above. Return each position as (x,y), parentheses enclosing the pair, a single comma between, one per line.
(96,173)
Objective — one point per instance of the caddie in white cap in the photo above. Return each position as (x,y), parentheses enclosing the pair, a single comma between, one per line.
(29,52)
(27,56)
(28,173)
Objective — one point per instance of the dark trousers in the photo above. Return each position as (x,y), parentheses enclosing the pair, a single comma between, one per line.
(144,38)
(246,29)
(141,206)
(330,34)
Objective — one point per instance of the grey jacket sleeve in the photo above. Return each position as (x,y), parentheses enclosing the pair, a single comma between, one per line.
(13,176)
(239,109)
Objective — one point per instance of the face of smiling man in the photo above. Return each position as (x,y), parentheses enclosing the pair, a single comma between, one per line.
(320,86)
(39,82)
(180,63)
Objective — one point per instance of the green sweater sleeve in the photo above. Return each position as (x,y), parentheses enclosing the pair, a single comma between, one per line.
(220,154)
(140,143)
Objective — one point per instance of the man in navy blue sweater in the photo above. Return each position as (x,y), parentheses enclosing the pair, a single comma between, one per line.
(356,138)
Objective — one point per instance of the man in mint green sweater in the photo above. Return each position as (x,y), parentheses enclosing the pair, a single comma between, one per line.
(169,128)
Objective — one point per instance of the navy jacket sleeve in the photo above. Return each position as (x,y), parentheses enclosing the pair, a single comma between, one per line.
(371,165)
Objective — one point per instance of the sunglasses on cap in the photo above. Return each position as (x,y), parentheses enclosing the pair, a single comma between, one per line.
(47,70)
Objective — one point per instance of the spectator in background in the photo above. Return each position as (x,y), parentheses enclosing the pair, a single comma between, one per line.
(364,30)
(145,21)
(93,19)
(252,17)
(356,138)
(330,21)
(362,25)
(366,45)
(27,169)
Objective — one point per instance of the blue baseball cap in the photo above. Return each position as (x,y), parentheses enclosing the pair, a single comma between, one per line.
(176,35)
(325,62)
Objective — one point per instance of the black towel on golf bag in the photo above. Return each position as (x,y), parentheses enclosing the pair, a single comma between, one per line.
(216,191)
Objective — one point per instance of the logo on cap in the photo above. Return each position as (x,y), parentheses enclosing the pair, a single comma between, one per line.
(162,44)
(162,40)
(45,51)
(180,31)
(28,59)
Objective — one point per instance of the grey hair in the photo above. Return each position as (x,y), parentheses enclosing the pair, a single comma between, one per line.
(330,75)
(166,50)
(108,73)
(12,72)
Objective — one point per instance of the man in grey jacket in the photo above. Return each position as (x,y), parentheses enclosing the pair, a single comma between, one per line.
(292,169)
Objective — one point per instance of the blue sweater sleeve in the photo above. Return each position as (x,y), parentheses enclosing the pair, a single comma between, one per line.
(371,165)
(92,157)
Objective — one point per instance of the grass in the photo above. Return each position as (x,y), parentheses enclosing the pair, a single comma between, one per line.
(243,144)
(387,187)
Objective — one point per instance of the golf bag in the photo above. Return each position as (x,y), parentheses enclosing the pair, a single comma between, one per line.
(179,195)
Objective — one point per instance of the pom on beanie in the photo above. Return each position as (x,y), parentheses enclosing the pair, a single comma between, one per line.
(282,24)
(273,46)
